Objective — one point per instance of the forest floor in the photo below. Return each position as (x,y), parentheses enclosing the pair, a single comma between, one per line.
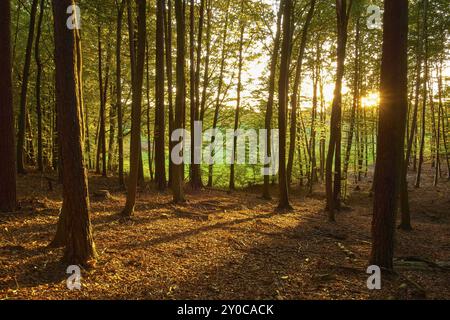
(223,245)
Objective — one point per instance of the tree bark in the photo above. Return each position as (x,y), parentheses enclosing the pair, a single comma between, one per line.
(169,71)
(40,161)
(424,104)
(283,87)
(178,169)
(135,150)
(334,147)
(195,176)
(391,132)
(23,92)
(119,90)
(80,248)
(160,159)
(296,90)
(270,100)
(8,167)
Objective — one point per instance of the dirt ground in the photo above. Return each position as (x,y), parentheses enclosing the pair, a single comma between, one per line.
(224,246)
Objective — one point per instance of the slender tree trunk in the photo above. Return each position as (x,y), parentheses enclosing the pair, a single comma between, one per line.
(438,137)
(160,159)
(88,143)
(283,87)
(195,176)
(24,88)
(238,99)
(149,136)
(169,71)
(425,88)
(313,177)
(178,172)
(323,133)
(356,88)
(103,88)
(443,114)
(207,58)
(270,100)
(119,89)
(391,132)
(138,67)
(40,161)
(334,147)
(297,82)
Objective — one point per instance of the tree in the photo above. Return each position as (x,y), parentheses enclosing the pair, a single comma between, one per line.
(169,71)
(238,99)
(283,87)
(296,90)
(138,78)
(207,59)
(24,88)
(425,84)
(80,248)
(40,159)
(194,67)
(160,162)
(334,147)
(269,107)
(391,131)
(405,223)
(178,168)
(120,13)
(103,88)
(7,169)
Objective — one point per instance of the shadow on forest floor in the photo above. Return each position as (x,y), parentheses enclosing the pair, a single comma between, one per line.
(222,245)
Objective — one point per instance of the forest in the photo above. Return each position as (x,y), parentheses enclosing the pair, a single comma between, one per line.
(224,150)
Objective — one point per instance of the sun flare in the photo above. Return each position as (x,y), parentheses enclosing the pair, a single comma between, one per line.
(371,100)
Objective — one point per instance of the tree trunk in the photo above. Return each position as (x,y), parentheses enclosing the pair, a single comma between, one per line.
(334,147)
(8,167)
(138,75)
(169,71)
(356,91)
(295,94)
(149,138)
(391,132)
(313,177)
(119,90)
(40,161)
(23,92)
(103,88)
(80,248)
(425,87)
(443,114)
(283,87)
(196,180)
(238,99)
(178,168)
(160,159)
(207,58)
(269,107)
